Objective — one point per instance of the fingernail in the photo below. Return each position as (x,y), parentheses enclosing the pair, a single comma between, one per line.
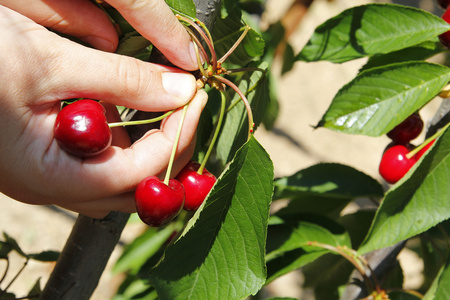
(100,43)
(180,85)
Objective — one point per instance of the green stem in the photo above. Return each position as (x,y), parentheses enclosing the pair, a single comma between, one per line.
(426,142)
(140,122)
(175,145)
(216,134)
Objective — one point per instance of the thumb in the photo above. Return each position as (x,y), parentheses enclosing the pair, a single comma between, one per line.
(116,79)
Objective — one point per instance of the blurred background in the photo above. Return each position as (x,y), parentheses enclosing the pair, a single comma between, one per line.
(304,93)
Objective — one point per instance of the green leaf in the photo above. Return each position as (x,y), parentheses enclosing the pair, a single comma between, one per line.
(227,31)
(442,290)
(186,7)
(235,126)
(417,202)
(288,236)
(378,99)
(220,255)
(371,29)
(45,256)
(288,242)
(14,245)
(328,179)
(133,44)
(35,290)
(142,248)
(290,261)
(439,289)
(422,51)
(5,248)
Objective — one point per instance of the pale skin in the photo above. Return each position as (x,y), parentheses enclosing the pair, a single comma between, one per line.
(44,68)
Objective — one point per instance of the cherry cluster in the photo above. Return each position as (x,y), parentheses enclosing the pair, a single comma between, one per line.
(82,130)
(400,155)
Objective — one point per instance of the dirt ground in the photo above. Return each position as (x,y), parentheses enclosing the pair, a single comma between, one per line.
(304,94)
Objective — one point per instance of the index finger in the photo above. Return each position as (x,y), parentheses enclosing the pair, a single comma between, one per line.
(154,20)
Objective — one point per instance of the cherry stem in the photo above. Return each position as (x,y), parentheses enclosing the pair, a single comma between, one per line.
(413,152)
(206,38)
(175,145)
(216,134)
(198,47)
(200,65)
(140,122)
(6,270)
(239,40)
(15,277)
(244,99)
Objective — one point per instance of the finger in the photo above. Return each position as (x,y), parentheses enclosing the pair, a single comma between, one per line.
(156,22)
(117,170)
(100,208)
(78,18)
(113,78)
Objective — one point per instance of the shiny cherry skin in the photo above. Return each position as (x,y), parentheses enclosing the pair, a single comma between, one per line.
(157,203)
(394,164)
(408,130)
(81,128)
(196,186)
(445,37)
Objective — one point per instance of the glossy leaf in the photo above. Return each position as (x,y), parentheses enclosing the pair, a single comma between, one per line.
(227,31)
(417,202)
(327,179)
(439,289)
(287,236)
(419,52)
(378,99)
(186,7)
(235,126)
(142,248)
(371,29)
(220,255)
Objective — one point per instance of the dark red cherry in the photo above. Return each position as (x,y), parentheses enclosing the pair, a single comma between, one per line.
(394,163)
(445,37)
(408,130)
(443,3)
(196,186)
(81,128)
(157,203)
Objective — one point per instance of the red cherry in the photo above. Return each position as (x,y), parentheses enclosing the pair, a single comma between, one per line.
(443,3)
(81,128)
(394,163)
(445,37)
(196,186)
(408,130)
(157,203)
(423,150)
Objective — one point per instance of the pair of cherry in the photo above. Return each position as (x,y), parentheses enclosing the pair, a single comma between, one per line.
(82,130)
(398,157)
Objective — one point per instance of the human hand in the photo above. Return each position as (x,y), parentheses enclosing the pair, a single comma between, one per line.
(43,68)
(83,19)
